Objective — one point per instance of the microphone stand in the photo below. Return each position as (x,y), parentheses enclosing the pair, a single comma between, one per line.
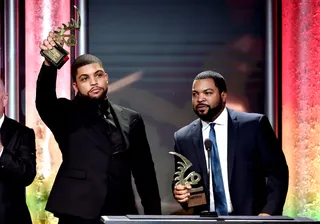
(208,146)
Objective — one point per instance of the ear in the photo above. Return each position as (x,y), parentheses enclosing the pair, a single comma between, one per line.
(107,77)
(5,99)
(224,96)
(75,87)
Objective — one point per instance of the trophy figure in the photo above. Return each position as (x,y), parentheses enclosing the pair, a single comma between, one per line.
(58,56)
(197,195)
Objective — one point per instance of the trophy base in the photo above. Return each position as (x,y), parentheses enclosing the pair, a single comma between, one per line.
(57,56)
(197,199)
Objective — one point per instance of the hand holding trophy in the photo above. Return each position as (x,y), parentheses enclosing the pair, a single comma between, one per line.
(52,48)
(184,192)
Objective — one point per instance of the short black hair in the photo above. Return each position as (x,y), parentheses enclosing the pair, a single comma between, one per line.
(218,79)
(83,60)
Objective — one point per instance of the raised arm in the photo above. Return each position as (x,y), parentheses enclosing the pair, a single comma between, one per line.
(50,108)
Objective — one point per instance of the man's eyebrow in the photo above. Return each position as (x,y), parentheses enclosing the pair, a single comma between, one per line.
(83,75)
(100,70)
(195,91)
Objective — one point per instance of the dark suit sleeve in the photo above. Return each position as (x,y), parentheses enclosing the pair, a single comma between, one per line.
(20,167)
(143,169)
(275,168)
(50,108)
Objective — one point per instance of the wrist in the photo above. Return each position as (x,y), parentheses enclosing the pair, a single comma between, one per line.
(46,63)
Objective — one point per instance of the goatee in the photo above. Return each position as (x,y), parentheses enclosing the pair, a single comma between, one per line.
(94,100)
(212,112)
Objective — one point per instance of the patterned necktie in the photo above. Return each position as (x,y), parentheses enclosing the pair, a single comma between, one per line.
(217,181)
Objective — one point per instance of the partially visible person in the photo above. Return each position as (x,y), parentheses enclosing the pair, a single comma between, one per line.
(102,146)
(249,169)
(17,166)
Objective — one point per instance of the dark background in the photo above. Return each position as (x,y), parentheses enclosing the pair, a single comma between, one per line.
(170,42)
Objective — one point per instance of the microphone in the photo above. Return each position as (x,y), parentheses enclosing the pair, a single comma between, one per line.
(208,145)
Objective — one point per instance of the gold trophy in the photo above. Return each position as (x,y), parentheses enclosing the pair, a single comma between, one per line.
(58,56)
(197,195)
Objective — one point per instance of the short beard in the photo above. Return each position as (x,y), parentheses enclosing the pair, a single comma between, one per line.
(212,112)
(103,96)
(95,100)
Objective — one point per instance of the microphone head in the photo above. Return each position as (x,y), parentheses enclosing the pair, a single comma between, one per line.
(208,144)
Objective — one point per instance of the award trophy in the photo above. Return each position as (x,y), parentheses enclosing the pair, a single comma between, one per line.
(58,56)
(197,195)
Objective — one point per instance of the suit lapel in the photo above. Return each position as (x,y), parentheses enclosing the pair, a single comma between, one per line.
(122,120)
(197,139)
(233,126)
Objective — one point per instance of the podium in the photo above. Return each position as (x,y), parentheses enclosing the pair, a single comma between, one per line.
(197,219)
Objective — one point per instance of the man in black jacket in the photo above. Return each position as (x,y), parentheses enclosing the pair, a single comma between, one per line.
(102,144)
(17,166)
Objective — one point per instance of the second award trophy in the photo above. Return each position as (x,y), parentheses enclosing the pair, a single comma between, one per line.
(197,195)
(58,56)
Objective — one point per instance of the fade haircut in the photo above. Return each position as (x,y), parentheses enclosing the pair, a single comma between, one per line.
(217,78)
(83,60)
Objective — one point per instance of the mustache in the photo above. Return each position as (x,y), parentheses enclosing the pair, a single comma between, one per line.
(201,105)
(94,88)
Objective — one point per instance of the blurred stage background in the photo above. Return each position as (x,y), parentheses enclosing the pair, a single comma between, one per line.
(152,50)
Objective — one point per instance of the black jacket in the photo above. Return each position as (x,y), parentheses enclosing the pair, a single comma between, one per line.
(89,173)
(17,170)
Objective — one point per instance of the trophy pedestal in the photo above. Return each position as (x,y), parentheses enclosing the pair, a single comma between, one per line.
(57,56)
(197,199)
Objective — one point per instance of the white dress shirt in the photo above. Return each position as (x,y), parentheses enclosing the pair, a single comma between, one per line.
(1,122)
(221,130)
